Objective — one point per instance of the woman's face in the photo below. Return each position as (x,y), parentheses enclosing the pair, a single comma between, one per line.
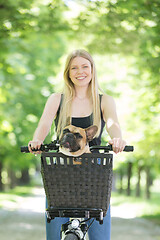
(80,71)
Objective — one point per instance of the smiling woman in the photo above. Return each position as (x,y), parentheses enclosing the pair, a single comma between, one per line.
(80,105)
(80,72)
(84,92)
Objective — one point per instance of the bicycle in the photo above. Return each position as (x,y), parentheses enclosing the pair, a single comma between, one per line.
(83,192)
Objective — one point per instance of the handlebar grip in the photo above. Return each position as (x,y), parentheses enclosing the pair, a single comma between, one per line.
(128,149)
(109,148)
(44,147)
(24,149)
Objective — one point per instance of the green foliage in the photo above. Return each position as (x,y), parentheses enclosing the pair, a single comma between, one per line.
(130,29)
(30,48)
(121,35)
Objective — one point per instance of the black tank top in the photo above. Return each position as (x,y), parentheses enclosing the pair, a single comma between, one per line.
(84,122)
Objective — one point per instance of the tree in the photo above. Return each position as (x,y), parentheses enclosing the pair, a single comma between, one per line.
(31,45)
(131,29)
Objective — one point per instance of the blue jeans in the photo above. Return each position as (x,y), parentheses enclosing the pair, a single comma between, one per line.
(95,232)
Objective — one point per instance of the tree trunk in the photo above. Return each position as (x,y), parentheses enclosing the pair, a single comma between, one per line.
(129,173)
(1,184)
(138,187)
(12,178)
(25,178)
(121,181)
(148,182)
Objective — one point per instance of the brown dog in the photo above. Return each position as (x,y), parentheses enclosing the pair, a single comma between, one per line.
(74,141)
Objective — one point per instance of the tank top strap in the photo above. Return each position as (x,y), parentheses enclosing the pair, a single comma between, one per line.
(58,112)
(90,117)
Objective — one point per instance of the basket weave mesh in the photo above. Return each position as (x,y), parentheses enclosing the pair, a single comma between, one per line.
(70,185)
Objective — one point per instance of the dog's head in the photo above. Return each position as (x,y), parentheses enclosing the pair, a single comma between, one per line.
(74,140)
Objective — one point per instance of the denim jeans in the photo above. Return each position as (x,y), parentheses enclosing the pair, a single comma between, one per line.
(95,232)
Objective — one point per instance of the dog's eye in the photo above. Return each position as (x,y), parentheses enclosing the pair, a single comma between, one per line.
(66,131)
(78,135)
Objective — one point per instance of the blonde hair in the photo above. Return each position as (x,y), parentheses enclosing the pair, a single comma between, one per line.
(69,93)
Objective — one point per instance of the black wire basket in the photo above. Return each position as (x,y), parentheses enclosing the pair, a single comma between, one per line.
(77,184)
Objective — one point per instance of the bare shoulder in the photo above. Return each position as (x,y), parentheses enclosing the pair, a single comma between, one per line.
(55,98)
(108,107)
(53,102)
(107,101)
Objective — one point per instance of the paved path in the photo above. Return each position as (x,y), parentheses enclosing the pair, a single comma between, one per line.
(25,220)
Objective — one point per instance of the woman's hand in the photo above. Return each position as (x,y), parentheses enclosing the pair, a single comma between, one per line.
(118,144)
(35,144)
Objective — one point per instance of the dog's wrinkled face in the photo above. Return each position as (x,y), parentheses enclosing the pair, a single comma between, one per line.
(75,139)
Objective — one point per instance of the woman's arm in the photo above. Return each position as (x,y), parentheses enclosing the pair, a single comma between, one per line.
(45,122)
(112,125)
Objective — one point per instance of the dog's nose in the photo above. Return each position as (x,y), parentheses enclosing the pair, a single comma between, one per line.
(66,144)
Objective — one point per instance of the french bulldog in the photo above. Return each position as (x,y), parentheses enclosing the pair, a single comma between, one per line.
(75,140)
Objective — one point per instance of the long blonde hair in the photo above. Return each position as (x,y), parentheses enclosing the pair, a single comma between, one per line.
(69,93)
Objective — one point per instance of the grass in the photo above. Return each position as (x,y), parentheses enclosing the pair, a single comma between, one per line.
(13,195)
(140,207)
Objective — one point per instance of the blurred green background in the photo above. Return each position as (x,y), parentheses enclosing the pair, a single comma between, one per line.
(123,38)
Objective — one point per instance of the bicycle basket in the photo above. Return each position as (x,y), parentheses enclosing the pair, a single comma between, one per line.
(70,185)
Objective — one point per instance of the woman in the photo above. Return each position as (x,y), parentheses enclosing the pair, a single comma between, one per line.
(80,105)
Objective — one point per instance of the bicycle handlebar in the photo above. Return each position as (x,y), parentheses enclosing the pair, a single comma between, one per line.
(55,146)
(109,148)
(44,147)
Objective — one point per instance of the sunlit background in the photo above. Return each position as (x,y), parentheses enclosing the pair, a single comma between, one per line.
(123,38)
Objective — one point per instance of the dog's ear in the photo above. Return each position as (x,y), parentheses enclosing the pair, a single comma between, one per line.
(91,132)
